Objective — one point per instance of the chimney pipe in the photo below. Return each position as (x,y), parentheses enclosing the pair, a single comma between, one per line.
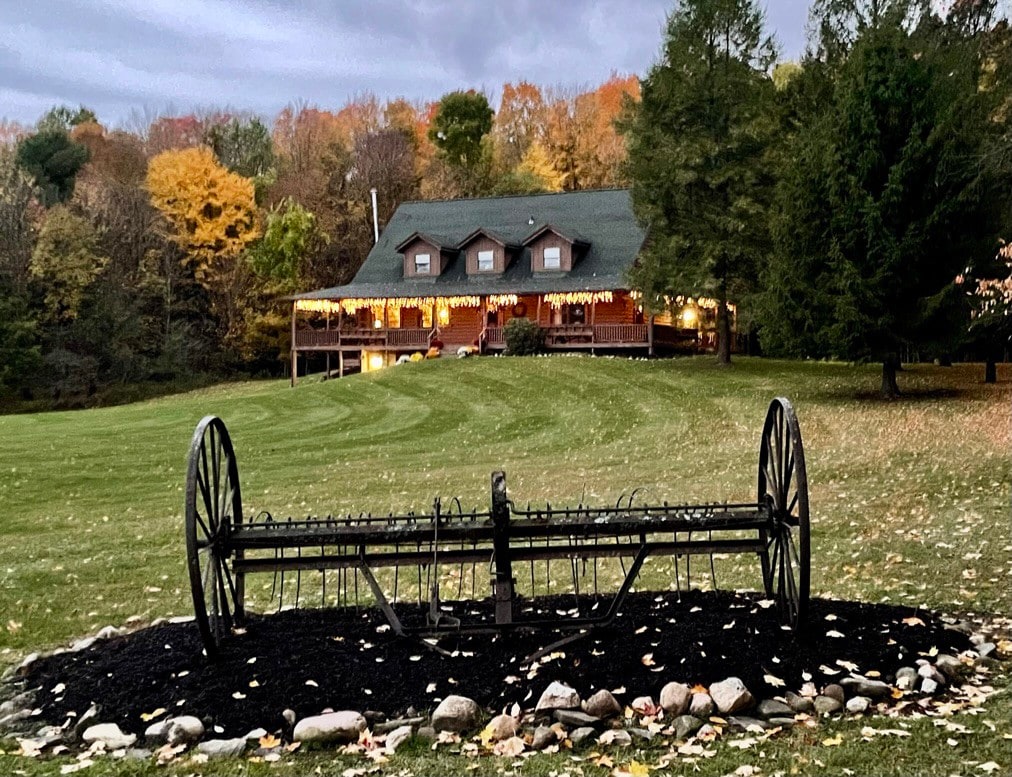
(375,216)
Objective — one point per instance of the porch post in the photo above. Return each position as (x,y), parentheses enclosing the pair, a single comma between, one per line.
(650,336)
(340,349)
(295,353)
(539,311)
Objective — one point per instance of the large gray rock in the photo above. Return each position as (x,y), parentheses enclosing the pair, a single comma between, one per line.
(827,705)
(858,705)
(602,704)
(675,698)
(389,725)
(906,678)
(456,713)
(502,727)
(771,708)
(701,705)
(543,737)
(158,733)
(951,667)
(398,737)
(344,726)
(834,691)
(581,734)
(110,735)
(799,703)
(558,696)
(686,726)
(731,696)
(184,730)
(223,748)
(575,718)
(929,672)
(862,686)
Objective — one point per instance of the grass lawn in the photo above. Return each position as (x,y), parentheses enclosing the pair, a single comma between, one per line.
(910,499)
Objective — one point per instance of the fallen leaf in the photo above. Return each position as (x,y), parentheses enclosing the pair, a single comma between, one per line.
(146,716)
(833,741)
(913,620)
(773,680)
(648,659)
(269,742)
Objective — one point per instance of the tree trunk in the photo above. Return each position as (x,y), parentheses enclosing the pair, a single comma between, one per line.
(990,370)
(889,387)
(723,334)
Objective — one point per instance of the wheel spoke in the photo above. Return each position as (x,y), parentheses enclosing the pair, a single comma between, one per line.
(205,488)
(216,471)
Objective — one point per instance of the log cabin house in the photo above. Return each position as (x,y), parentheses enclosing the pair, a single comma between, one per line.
(454,272)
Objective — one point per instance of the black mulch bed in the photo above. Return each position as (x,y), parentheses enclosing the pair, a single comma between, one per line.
(308,660)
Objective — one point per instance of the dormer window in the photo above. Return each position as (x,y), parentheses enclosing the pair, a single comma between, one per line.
(553,258)
(486,261)
(423,264)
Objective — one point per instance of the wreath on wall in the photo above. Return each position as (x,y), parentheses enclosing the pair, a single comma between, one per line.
(520,310)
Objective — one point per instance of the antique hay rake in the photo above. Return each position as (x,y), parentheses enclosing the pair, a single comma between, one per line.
(223,548)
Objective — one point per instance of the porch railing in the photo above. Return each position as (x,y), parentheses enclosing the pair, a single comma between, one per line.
(396,338)
(620,333)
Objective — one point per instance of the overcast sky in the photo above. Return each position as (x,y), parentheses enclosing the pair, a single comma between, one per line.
(141,57)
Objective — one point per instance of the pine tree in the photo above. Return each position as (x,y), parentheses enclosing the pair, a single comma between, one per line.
(696,150)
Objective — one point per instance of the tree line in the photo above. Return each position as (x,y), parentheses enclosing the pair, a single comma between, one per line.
(852,204)
(161,251)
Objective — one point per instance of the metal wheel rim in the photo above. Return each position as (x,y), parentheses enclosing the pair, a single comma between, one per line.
(783,485)
(213,507)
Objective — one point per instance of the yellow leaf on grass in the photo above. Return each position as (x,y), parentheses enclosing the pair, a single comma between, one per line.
(268,741)
(146,716)
(833,741)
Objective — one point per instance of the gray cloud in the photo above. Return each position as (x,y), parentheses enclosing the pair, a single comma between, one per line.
(121,57)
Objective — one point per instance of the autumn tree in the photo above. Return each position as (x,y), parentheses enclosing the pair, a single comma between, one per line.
(538,168)
(168,133)
(66,260)
(887,196)
(519,122)
(385,160)
(213,218)
(599,150)
(696,156)
(53,160)
(17,217)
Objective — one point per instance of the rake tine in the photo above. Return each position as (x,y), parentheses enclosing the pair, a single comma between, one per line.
(713,573)
(298,579)
(397,572)
(323,574)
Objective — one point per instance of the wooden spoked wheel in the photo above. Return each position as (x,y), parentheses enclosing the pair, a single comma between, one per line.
(783,486)
(213,508)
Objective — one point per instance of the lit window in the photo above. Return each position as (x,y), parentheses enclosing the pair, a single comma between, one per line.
(485,261)
(553,258)
(422,263)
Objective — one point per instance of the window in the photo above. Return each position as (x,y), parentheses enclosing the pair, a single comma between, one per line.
(553,258)
(486,262)
(422,264)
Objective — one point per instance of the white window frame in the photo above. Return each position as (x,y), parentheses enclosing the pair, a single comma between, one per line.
(557,258)
(419,264)
(490,256)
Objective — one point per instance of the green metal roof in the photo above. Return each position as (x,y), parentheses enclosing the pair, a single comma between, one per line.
(603,218)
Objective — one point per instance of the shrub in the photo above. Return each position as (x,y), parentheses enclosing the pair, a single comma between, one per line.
(523,337)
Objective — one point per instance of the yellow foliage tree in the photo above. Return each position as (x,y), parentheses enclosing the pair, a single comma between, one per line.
(212,210)
(537,164)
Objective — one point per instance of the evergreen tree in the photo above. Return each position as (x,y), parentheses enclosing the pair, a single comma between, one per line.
(697,143)
(885,196)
